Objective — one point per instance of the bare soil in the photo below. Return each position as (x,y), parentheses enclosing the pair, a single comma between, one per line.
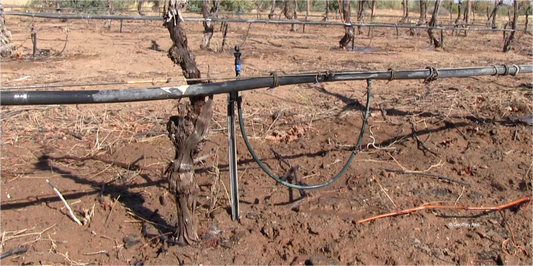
(473,130)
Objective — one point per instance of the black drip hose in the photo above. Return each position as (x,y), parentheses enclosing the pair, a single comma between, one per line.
(296,186)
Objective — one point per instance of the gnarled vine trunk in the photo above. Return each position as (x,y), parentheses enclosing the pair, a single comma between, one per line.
(348,30)
(6,48)
(493,14)
(468,9)
(510,39)
(272,9)
(405,11)
(208,25)
(423,12)
(373,9)
(361,15)
(139,7)
(327,11)
(289,12)
(110,11)
(432,23)
(187,131)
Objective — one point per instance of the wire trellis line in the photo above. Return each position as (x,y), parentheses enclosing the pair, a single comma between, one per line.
(262,21)
(202,89)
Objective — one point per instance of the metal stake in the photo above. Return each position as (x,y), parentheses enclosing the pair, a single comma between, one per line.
(34,40)
(232,149)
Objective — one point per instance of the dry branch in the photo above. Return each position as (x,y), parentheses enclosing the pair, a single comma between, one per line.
(462,207)
(430,175)
(70,213)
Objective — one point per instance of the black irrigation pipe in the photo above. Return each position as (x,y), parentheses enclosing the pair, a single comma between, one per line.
(236,20)
(176,92)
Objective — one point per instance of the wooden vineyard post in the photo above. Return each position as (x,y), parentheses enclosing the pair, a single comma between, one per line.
(187,131)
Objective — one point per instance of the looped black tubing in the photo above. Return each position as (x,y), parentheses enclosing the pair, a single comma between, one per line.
(295,186)
(275,82)
(517,70)
(506,70)
(391,74)
(433,75)
(495,70)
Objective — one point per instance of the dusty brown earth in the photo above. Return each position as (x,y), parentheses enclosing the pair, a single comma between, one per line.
(471,130)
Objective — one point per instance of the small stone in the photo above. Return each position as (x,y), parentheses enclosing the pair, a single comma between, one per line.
(313,229)
(252,216)
(447,252)
(504,259)
(131,240)
(217,213)
(465,259)
(321,261)
(298,261)
(475,196)
(496,184)
(417,241)
(523,166)
(492,221)
(452,160)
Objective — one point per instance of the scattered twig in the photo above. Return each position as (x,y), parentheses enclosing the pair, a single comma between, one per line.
(528,170)
(14,251)
(97,252)
(137,216)
(461,207)
(428,174)
(2,241)
(203,157)
(70,261)
(215,187)
(373,144)
(111,211)
(405,169)
(154,237)
(53,246)
(133,166)
(292,170)
(273,122)
(460,195)
(19,234)
(70,212)
(88,214)
(420,145)
(384,191)
(456,127)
